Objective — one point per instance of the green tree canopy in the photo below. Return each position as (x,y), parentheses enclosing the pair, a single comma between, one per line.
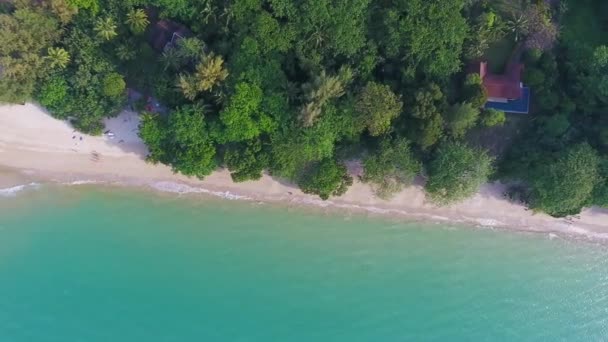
(457,172)
(153,131)
(460,118)
(565,186)
(390,168)
(105,28)
(326,178)
(188,142)
(25,37)
(246,161)
(377,105)
(58,57)
(427,34)
(137,20)
(113,85)
(243,117)
(492,117)
(330,28)
(427,125)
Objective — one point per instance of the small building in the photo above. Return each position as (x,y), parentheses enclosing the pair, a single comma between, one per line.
(506,92)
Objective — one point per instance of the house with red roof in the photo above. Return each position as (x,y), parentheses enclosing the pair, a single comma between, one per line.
(505,91)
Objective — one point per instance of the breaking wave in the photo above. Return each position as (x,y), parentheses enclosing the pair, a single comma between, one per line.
(180,188)
(14,190)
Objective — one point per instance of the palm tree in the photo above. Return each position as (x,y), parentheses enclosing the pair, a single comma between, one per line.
(322,89)
(58,57)
(518,25)
(210,72)
(137,20)
(105,28)
(125,53)
(171,58)
(188,85)
(191,48)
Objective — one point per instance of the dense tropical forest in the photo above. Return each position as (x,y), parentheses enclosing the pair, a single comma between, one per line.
(299,89)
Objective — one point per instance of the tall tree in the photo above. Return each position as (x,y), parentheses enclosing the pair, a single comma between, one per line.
(25,37)
(427,123)
(320,91)
(137,20)
(105,28)
(326,178)
(391,167)
(457,172)
(427,35)
(460,118)
(58,57)
(210,72)
(243,117)
(377,105)
(565,186)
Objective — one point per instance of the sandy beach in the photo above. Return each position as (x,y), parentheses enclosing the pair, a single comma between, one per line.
(37,145)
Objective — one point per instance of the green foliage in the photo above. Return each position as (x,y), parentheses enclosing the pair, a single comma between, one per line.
(63,10)
(320,91)
(427,35)
(208,74)
(137,20)
(487,30)
(492,117)
(92,5)
(190,48)
(53,92)
(329,28)
(564,186)
(243,117)
(58,57)
(456,172)
(326,178)
(125,52)
(314,82)
(25,37)
(183,141)
(460,118)
(391,167)
(294,148)
(153,131)
(113,85)
(473,91)
(105,28)
(426,111)
(599,196)
(377,105)
(246,161)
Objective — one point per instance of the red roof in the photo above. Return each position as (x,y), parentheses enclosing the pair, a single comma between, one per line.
(507,85)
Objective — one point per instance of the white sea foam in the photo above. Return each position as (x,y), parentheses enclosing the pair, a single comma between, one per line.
(83,182)
(180,188)
(14,190)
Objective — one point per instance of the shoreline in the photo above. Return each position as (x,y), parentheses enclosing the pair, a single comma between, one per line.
(35,145)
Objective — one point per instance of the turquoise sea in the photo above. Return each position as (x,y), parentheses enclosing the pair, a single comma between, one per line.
(99,264)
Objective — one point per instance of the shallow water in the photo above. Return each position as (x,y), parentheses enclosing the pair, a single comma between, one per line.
(94,264)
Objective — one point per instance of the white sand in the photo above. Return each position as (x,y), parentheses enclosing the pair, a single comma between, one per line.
(35,143)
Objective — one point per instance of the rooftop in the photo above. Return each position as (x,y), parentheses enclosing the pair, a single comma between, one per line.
(507,85)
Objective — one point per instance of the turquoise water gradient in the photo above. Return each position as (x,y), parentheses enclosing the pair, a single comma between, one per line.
(108,265)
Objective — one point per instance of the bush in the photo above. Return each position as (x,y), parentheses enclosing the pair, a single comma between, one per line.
(390,168)
(492,117)
(326,178)
(113,85)
(457,172)
(52,95)
(565,186)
